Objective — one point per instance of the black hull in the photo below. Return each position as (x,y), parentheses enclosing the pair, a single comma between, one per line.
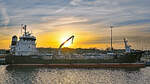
(126,58)
(130,57)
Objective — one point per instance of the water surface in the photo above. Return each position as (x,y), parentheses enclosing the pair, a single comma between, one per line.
(28,75)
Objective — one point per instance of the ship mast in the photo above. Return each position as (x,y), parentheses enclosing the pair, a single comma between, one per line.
(25,30)
(111,48)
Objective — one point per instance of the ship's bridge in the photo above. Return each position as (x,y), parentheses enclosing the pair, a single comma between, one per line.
(28,38)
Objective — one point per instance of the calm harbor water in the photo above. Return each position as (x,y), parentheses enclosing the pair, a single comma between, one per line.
(73,76)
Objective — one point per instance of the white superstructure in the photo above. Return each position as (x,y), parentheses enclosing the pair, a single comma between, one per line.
(127,47)
(25,46)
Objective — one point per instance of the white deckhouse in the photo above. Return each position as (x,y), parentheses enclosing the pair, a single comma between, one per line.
(25,46)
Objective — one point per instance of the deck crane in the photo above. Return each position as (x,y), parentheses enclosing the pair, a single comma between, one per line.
(59,49)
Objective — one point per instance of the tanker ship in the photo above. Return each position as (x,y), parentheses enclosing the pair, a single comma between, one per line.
(24,51)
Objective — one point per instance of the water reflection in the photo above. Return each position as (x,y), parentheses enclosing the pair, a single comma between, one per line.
(73,76)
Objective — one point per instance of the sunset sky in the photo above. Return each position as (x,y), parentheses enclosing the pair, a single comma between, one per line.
(52,21)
